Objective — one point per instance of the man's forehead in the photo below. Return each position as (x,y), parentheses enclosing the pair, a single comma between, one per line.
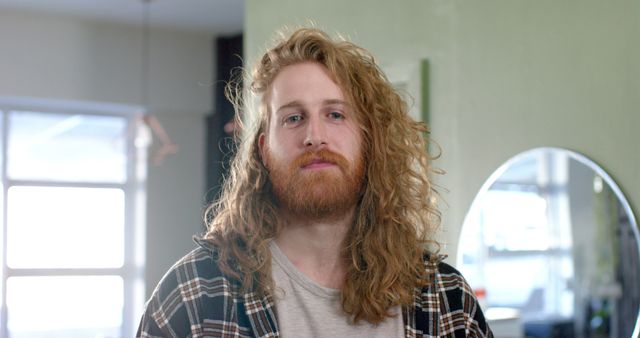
(303,81)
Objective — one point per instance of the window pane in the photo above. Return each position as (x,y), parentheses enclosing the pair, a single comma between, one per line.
(67,147)
(65,306)
(515,220)
(51,227)
(530,274)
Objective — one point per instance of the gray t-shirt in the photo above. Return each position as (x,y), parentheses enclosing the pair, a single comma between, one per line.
(306,309)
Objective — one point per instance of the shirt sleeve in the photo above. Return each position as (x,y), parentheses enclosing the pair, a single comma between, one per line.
(165,314)
(462,311)
(148,327)
(194,299)
(174,306)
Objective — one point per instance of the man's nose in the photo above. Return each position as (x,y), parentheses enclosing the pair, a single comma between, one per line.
(315,133)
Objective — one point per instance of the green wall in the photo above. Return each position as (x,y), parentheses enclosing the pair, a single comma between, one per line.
(505,76)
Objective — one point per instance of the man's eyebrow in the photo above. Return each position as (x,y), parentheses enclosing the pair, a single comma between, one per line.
(336,101)
(292,104)
(298,104)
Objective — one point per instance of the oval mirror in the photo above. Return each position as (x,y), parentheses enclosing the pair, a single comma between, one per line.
(550,246)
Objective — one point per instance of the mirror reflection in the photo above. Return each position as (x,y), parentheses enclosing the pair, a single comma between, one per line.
(551,248)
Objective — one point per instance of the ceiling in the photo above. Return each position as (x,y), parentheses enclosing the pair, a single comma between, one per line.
(213,16)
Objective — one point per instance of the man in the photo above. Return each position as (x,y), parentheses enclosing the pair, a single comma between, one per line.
(324,224)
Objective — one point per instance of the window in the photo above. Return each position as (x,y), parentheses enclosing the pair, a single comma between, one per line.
(72,207)
(516,241)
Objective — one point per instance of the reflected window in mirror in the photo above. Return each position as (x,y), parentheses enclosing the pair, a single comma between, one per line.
(551,236)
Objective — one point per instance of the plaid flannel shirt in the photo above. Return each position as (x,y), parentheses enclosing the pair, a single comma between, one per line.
(194,299)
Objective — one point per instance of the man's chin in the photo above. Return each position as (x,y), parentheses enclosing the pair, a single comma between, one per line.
(318,178)
(318,196)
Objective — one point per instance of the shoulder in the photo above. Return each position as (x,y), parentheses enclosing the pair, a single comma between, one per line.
(446,284)
(196,276)
(453,289)
(193,291)
(194,271)
(449,298)
(444,275)
(450,278)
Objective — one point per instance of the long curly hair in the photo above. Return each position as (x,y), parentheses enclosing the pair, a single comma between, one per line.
(397,214)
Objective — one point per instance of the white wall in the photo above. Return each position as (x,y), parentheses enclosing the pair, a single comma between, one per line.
(47,56)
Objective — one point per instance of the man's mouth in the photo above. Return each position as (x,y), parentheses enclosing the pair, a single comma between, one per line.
(318,164)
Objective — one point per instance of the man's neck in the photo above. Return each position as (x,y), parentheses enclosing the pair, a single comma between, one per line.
(315,247)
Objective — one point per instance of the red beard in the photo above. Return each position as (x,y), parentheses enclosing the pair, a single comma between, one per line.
(316,194)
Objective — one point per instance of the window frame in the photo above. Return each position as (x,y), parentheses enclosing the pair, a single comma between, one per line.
(134,188)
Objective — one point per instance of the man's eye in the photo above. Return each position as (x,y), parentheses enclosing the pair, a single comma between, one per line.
(336,115)
(293,119)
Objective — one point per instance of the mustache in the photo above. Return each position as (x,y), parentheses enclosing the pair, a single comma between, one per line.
(323,155)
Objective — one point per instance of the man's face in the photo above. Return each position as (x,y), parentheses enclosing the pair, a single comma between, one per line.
(313,145)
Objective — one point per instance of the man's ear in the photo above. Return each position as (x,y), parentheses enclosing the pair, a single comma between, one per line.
(262,148)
